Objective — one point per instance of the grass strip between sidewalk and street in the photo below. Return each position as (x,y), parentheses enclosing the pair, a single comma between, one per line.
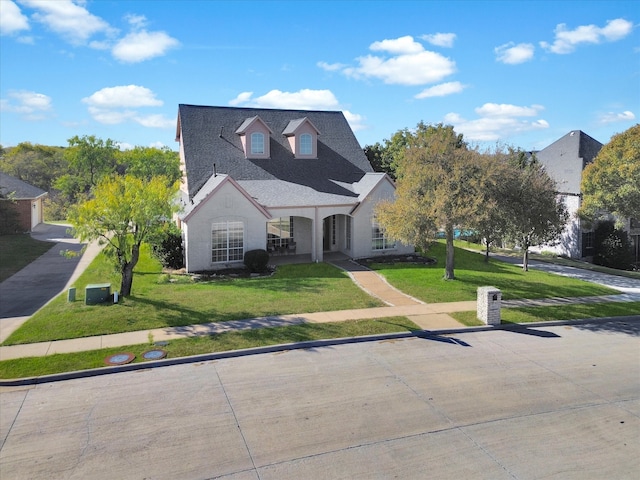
(237,340)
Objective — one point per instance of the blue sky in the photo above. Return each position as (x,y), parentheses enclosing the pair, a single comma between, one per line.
(522,73)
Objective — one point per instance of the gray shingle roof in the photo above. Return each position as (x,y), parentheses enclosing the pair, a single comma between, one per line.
(20,190)
(566,158)
(208,138)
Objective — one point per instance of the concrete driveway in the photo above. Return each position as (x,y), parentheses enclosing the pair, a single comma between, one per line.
(544,402)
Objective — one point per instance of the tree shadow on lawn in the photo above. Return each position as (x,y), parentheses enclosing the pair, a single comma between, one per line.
(179,315)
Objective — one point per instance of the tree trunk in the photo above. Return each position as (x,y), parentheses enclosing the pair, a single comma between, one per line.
(127,272)
(486,253)
(448,269)
(525,258)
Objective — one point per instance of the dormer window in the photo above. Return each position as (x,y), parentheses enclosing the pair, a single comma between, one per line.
(257,143)
(254,135)
(303,138)
(306,147)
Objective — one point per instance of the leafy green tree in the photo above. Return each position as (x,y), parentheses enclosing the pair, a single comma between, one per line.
(439,186)
(612,246)
(147,162)
(38,165)
(611,183)
(491,221)
(89,159)
(124,212)
(379,159)
(536,215)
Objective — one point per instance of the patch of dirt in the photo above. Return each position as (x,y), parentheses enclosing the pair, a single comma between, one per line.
(393,259)
(231,273)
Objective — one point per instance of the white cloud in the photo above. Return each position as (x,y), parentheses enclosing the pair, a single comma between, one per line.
(123,96)
(110,117)
(244,97)
(142,45)
(566,41)
(305,99)
(440,39)
(414,69)
(30,105)
(155,121)
(114,105)
(441,90)
(68,19)
(497,122)
(356,121)
(506,110)
(512,54)
(611,117)
(406,63)
(402,46)
(331,67)
(12,20)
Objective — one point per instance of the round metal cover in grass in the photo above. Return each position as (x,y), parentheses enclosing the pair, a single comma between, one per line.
(119,358)
(155,354)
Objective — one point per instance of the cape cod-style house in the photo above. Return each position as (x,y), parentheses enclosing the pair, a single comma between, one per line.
(292,182)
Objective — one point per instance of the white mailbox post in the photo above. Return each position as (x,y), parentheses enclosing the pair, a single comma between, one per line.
(489,299)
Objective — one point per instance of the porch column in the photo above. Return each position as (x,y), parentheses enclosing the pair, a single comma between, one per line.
(316,238)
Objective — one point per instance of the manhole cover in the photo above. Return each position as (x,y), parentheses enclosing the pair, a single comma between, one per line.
(119,358)
(155,354)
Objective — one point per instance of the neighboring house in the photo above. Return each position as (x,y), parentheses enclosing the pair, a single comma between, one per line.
(564,160)
(291,182)
(26,200)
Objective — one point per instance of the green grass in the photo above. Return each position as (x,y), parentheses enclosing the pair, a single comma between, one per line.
(157,303)
(18,251)
(549,257)
(471,272)
(547,314)
(37,366)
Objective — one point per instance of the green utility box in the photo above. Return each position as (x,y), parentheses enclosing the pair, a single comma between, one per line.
(97,293)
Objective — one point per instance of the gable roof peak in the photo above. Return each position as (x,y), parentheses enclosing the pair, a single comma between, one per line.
(294,125)
(242,129)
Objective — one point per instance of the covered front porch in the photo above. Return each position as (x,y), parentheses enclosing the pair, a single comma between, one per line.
(308,237)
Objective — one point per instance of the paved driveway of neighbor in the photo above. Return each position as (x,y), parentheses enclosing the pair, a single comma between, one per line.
(32,287)
(534,402)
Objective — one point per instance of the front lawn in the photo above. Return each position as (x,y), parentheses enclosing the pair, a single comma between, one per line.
(157,301)
(427,284)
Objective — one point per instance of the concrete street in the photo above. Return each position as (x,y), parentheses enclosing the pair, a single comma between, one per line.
(538,402)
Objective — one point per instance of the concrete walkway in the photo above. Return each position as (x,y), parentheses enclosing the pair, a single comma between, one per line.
(426,316)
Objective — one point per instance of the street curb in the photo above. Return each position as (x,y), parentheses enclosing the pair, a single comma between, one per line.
(206,357)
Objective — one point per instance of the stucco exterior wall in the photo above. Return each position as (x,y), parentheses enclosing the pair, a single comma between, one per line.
(362,246)
(227,203)
(570,243)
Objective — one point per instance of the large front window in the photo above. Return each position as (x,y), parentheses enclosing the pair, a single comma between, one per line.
(227,241)
(379,240)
